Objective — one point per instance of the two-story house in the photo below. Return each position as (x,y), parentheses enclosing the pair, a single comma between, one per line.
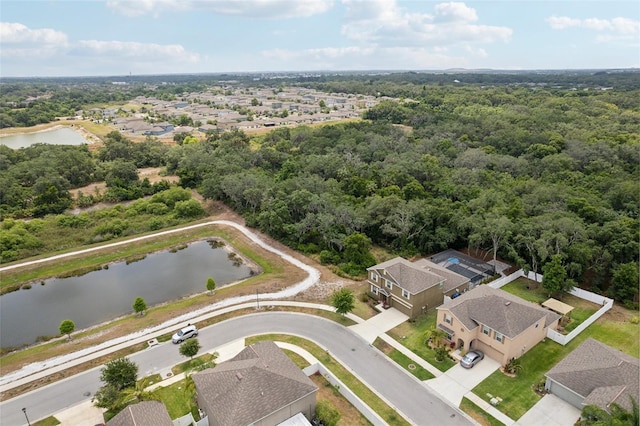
(414,287)
(498,323)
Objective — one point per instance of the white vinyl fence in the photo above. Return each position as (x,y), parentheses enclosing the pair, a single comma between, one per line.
(359,404)
(563,339)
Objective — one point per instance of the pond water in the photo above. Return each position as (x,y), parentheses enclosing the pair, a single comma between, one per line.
(102,295)
(59,136)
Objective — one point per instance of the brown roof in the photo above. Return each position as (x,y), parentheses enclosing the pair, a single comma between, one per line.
(416,277)
(600,374)
(501,311)
(255,383)
(142,413)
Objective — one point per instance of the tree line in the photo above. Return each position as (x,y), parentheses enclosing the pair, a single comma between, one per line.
(527,173)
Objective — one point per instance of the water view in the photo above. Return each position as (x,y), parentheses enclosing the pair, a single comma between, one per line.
(59,136)
(109,293)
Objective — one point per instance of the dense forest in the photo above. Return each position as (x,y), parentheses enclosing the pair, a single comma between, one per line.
(532,172)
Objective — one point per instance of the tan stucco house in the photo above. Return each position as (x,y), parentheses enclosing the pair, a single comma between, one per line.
(260,386)
(414,287)
(596,374)
(498,323)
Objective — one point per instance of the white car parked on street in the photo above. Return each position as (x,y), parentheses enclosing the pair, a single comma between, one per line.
(185,333)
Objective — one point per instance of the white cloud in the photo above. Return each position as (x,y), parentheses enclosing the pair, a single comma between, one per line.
(455,11)
(562,22)
(16,33)
(366,58)
(249,8)
(24,43)
(118,50)
(382,22)
(616,25)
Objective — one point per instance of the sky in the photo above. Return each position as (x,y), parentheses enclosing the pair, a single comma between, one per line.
(120,37)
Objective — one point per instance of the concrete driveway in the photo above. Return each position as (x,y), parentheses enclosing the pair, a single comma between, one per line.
(456,382)
(550,411)
(379,324)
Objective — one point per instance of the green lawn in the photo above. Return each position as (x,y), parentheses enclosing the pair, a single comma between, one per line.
(49,421)
(478,414)
(193,363)
(517,393)
(578,316)
(403,360)
(412,336)
(178,398)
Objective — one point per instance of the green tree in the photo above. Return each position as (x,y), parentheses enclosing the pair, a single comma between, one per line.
(108,397)
(624,283)
(555,275)
(120,373)
(343,300)
(190,348)
(211,285)
(139,306)
(592,415)
(66,327)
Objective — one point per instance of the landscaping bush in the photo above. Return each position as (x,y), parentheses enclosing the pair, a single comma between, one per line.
(327,413)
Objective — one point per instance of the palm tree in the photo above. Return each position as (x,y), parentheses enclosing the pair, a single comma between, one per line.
(514,366)
(137,393)
(435,336)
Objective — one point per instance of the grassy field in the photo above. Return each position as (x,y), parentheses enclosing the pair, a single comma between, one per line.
(178,398)
(356,386)
(412,335)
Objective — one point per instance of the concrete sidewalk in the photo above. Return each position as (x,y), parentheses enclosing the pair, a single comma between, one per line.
(379,324)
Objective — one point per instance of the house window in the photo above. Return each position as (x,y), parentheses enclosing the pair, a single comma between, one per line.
(499,337)
(486,330)
(374,276)
(374,289)
(447,318)
(388,284)
(405,294)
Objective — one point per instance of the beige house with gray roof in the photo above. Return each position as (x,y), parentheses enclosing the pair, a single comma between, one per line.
(596,374)
(260,386)
(501,325)
(413,287)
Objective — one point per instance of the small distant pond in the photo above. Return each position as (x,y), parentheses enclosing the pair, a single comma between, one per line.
(59,136)
(105,294)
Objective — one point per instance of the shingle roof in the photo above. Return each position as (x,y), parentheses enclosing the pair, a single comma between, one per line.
(258,381)
(600,374)
(142,413)
(416,277)
(501,311)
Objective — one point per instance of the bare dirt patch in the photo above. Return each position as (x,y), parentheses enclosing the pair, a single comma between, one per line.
(348,414)
(154,174)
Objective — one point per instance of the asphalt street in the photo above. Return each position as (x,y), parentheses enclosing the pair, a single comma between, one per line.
(401,390)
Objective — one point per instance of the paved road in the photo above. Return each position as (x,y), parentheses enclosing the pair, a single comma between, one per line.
(408,395)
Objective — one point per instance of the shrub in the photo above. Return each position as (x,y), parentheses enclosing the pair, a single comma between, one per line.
(327,413)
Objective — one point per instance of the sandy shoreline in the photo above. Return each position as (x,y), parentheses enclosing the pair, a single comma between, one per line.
(87,135)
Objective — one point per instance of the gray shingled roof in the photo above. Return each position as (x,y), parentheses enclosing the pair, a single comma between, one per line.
(501,311)
(600,374)
(416,277)
(142,413)
(258,381)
